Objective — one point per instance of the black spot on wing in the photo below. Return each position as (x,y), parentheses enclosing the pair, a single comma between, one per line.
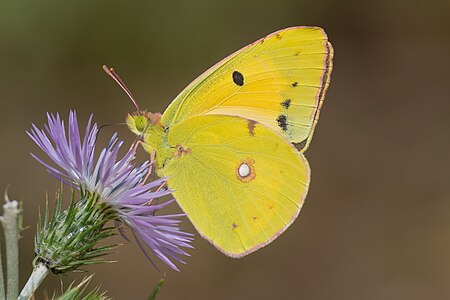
(238,78)
(286,103)
(282,122)
(295,84)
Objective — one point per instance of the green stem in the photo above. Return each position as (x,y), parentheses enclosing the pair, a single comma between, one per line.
(11,212)
(2,281)
(40,271)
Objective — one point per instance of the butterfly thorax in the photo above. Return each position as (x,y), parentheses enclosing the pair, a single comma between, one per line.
(149,129)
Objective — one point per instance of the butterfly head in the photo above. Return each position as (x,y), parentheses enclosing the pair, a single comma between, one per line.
(149,130)
(140,121)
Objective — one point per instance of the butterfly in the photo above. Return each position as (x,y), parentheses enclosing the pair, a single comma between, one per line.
(232,142)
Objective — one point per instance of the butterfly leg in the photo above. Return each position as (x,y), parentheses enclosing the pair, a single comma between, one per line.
(136,144)
(150,169)
(155,201)
(134,147)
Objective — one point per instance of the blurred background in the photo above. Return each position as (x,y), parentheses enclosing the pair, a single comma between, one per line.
(376,223)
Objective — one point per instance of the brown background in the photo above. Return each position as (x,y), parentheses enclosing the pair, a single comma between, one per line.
(376,224)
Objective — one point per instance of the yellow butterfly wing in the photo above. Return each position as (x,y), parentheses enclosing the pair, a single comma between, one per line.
(239,182)
(279,81)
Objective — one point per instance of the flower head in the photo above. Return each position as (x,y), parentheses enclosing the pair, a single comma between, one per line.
(116,181)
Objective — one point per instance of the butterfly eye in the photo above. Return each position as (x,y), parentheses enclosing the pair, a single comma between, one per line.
(141,123)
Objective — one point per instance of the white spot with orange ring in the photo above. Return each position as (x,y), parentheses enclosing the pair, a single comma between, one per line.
(245,170)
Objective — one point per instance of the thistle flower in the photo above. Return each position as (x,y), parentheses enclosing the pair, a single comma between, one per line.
(116,182)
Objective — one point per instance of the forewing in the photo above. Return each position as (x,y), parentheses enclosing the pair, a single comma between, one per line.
(279,81)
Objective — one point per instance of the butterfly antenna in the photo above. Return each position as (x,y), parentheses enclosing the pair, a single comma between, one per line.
(104,126)
(111,124)
(116,77)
